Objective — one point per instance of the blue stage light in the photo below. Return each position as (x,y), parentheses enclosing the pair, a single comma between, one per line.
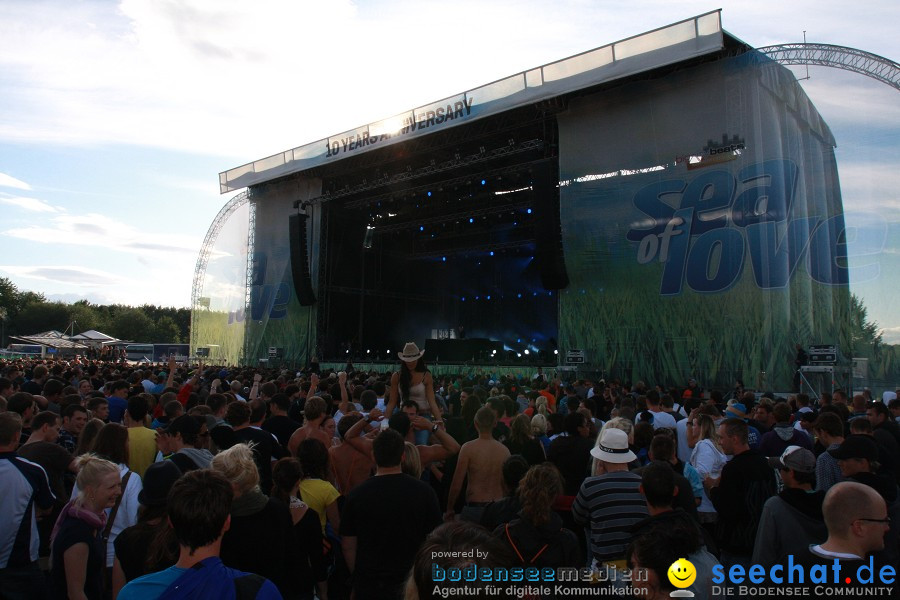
(471,220)
(492,252)
(518,295)
(444,258)
(421,228)
(528,211)
(476,297)
(463,298)
(488,297)
(429,194)
(519,340)
(483,182)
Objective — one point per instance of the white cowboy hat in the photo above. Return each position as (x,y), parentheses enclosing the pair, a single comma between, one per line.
(411,352)
(613,447)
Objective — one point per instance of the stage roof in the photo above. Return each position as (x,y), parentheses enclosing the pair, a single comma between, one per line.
(51,339)
(667,45)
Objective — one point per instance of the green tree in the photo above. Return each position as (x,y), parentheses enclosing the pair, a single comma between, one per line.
(865,339)
(40,316)
(166,330)
(131,324)
(85,317)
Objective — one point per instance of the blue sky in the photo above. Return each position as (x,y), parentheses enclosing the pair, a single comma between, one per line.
(116,117)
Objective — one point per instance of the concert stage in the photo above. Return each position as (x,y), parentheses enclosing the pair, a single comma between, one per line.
(664,206)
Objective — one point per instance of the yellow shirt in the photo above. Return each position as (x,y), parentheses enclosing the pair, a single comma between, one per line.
(141,449)
(319,495)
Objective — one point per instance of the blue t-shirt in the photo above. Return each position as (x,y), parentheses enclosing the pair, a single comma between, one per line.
(152,586)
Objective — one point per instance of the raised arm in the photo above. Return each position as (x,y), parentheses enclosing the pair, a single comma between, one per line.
(459,475)
(429,396)
(394,395)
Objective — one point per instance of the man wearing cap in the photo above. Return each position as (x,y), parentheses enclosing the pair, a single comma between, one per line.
(132,544)
(858,459)
(611,502)
(792,520)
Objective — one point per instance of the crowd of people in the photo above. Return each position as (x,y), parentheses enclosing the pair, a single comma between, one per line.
(138,481)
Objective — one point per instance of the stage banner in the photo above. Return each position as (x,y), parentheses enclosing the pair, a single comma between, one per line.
(217,318)
(703,227)
(274,317)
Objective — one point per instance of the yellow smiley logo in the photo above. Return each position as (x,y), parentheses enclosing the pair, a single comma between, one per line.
(682,573)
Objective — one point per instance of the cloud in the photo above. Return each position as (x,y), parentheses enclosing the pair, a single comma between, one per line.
(238,79)
(66,274)
(99,230)
(32,204)
(891,335)
(12,182)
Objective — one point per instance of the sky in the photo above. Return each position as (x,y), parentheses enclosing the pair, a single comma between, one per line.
(117,117)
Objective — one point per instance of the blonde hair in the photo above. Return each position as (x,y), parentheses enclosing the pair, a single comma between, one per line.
(411,464)
(539,425)
(238,467)
(617,423)
(540,406)
(708,430)
(91,471)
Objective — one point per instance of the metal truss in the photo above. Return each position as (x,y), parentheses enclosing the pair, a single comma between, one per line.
(432,169)
(839,57)
(209,241)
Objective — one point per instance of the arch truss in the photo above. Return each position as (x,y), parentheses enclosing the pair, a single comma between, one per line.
(840,57)
(209,242)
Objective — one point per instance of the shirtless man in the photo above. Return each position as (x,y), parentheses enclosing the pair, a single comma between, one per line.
(313,413)
(481,461)
(406,424)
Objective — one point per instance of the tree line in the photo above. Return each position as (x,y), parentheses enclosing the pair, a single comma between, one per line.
(26,313)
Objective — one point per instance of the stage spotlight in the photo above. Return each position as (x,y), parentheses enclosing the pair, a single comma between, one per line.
(492,252)
(518,295)
(519,340)
(528,211)
(483,182)
(429,194)
(471,220)
(443,259)
(463,298)
(368,351)
(526,352)
(476,297)
(488,297)
(518,355)
(421,228)
(347,352)
(493,352)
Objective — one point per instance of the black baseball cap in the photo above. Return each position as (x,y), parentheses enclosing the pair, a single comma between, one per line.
(856,446)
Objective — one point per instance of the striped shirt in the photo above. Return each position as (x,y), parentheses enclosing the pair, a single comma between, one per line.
(24,485)
(611,504)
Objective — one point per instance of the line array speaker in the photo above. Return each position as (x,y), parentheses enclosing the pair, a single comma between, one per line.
(300,260)
(549,253)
